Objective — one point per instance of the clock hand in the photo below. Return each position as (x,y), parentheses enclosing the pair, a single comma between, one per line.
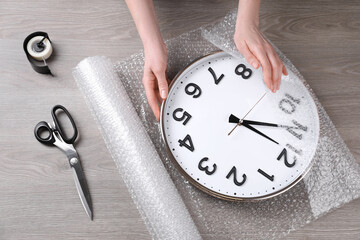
(258,132)
(234,119)
(247,113)
(254,105)
(261,123)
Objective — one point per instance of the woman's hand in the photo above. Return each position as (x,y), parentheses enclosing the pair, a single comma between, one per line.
(255,48)
(154,79)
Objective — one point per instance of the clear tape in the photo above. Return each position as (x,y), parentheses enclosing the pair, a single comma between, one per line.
(333,180)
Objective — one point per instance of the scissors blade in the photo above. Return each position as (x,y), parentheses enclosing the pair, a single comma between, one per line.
(82,187)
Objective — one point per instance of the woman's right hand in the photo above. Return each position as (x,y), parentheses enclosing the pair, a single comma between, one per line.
(154,79)
(254,46)
(259,52)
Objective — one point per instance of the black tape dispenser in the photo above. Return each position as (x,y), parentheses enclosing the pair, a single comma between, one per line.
(38,49)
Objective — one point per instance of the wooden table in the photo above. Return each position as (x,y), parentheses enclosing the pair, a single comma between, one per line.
(38,199)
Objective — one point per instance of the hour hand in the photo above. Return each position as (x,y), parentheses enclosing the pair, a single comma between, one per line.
(257,131)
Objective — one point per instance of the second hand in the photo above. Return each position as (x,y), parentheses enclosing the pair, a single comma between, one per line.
(239,123)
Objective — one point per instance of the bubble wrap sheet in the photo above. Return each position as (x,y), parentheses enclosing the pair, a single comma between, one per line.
(118,102)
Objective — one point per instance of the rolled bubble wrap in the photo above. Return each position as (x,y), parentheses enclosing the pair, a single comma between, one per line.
(155,195)
(333,180)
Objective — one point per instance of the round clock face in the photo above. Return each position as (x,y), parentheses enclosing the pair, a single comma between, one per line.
(232,137)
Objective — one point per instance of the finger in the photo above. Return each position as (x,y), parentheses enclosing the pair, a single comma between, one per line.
(159,98)
(284,71)
(277,67)
(250,58)
(151,97)
(265,64)
(162,84)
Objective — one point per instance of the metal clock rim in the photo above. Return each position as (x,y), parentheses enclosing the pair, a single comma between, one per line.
(200,186)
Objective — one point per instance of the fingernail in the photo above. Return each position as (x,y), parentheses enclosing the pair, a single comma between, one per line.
(254,64)
(163,94)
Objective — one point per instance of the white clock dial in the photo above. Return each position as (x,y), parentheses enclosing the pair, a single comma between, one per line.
(267,153)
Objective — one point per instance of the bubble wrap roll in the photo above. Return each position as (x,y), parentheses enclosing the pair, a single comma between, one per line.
(150,186)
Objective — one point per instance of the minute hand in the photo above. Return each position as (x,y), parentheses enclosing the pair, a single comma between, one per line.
(267,124)
(234,119)
(261,123)
(257,131)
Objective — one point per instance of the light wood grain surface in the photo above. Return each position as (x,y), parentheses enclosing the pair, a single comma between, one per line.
(38,199)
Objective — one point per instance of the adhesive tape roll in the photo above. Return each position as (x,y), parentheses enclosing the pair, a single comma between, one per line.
(39,48)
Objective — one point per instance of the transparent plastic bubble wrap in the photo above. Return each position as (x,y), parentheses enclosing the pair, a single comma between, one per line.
(170,206)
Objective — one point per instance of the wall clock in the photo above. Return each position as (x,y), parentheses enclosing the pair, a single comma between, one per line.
(233,138)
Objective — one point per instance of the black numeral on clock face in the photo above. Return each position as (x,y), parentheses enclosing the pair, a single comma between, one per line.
(193,89)
(206,168)
(295,131)
(185,116)
(284,154)
(271,178)
(182,143)
(242,71)
(233,173)
(288,104)
(217,80)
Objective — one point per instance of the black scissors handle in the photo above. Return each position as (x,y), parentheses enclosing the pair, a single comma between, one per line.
(58,127)
(44,127)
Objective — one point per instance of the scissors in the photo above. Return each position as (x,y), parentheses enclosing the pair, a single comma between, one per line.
(57,137)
